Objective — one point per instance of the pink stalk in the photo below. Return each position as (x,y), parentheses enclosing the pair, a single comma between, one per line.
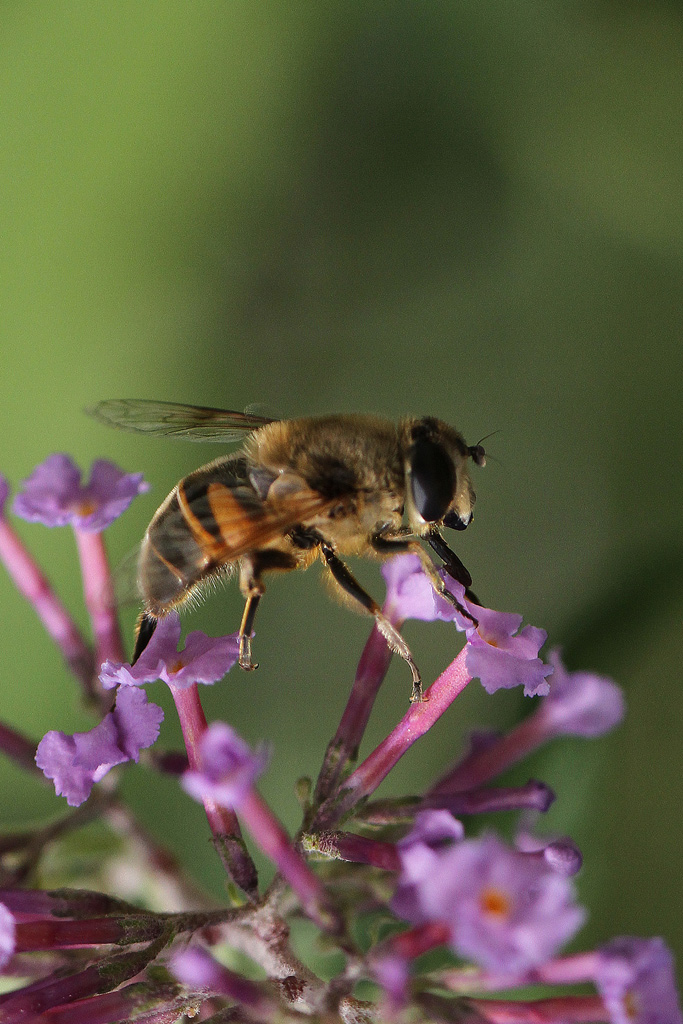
(414,724)
(567,970)
(350,847)
(276,844)
(31,582)
(53,934)
(222,821)
(490,761)
(98,591)
(419,940)
(17,747)
(343,747)
(119,1006)
(57,989)
(561,1010)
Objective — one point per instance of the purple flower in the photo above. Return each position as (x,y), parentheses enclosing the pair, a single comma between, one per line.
(229,767)
(53,494)
(499,655)
(204,659)
(505,910)
(410,595)
(77,762)
(581,703)
(419,852)
(635,978)
(502,657)
(7,934)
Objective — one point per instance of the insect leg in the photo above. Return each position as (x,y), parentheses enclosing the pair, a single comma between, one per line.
(351,586)
(246,627)
(253,588)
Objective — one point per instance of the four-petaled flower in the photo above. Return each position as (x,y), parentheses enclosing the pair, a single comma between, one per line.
(204,659)
(635,978)
(504,910)
(54,495)
(498,652)
(75,763)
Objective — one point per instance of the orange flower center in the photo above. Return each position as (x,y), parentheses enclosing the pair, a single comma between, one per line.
(86,507)
(176,666)
(494,901)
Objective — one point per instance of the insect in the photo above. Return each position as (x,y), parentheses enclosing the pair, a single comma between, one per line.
(298,490)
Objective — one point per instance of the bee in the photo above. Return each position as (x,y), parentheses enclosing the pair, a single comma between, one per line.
(296,491)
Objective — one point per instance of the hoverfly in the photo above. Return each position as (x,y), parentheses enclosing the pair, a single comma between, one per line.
(297,490)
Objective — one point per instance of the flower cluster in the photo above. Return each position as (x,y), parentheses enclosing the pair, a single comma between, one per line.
(500,912)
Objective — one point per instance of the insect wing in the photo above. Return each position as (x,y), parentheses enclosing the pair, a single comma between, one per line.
(244,525)
(169,419)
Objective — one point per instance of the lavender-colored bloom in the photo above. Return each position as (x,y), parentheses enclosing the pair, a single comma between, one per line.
(635,978)
(499,655)
(505,910)
(392,973)
(75,763)
(7,934)
(53,494)
(410,595)
(582,703)
(419,852)
(229,767)
(502,657)
(204,659)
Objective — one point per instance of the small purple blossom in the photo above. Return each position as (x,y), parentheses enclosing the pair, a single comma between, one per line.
(53,494)
(229,767)
(7,935)
(204,659)
(505,911)
(635,978)
(582,703)
(502,657)
(498,652)
(75,763)
(419,853)
(410,595)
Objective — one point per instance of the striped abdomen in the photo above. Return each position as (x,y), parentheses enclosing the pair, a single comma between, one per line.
(205,523)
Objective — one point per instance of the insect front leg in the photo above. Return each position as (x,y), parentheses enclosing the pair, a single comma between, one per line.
(252,586)
(348,582)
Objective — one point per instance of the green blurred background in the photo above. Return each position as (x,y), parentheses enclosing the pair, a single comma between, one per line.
(471,210)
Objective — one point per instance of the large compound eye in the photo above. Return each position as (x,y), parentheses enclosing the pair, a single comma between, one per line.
(432,479)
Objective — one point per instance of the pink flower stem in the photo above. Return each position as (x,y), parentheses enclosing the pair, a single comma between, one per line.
(121,1005)
(54,934)
(20,749)
(351,847)
(223,822)
(485,764)
(31,582)
(414,724)
(561,1010)
(567,970)
(343,747)
(276,844)
(531,796)
(98,591)
(419,940)
(55,990)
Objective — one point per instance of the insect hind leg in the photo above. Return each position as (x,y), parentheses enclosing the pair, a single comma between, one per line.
(348,582)
(144,631)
